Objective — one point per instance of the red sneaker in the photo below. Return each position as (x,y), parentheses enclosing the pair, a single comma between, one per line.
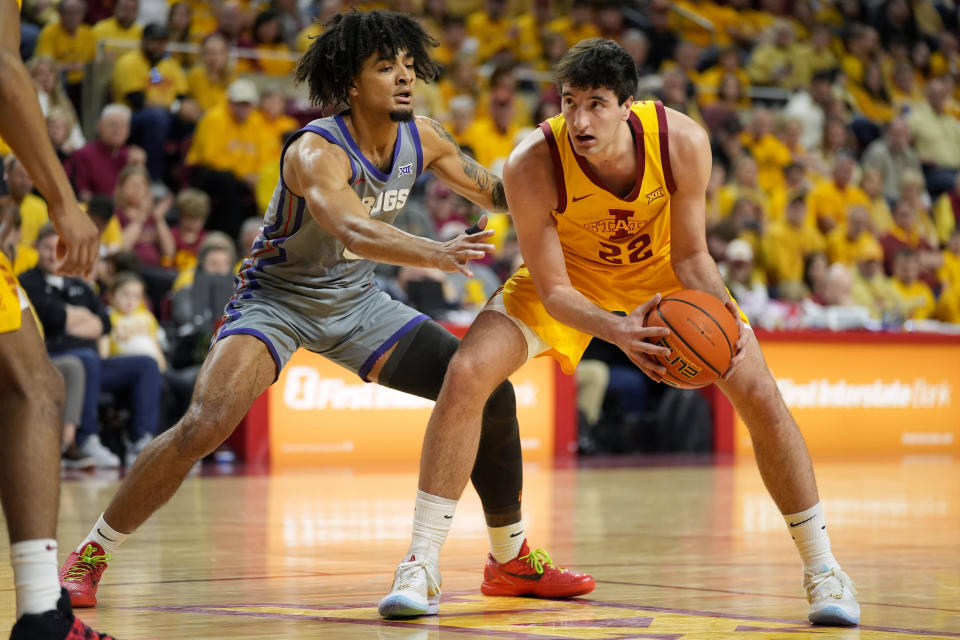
(80,574)
(59,624)
(533,573)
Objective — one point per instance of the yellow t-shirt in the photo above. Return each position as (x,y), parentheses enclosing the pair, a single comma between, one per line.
(112,236)
(771,156)
(207,92)
(135,334)
(490,147)
(916,299)
(25,259)
(109,28)
(784,249)
(949,271)
(572,33)
(616,249)
(841,249)
(33,215)
(161,83)
(269,66)
(222,143)
(275,129)
(828,201)
(496,35)
(56,43)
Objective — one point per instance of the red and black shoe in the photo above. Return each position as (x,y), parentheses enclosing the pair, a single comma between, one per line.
(58,624)
(80,574)
(533,573)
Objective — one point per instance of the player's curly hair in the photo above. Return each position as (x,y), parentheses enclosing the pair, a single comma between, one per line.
(336,56)
(595,63)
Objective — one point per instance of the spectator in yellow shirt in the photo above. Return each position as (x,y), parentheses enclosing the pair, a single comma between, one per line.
(871,99)
(830,199)
(509,39)
(709,81)
(121,26)
(493,137)
(180,30)
(744,186)
(151,84)
(872,289)
(208,80)
(850,242)
(32,208)
(946,212)
(788,243)
(881,219)
(276,122)
(771,63)
(71,43)
(578,25)
(936,136)
(230,147)
(772,156)
(277,58)
(916,297)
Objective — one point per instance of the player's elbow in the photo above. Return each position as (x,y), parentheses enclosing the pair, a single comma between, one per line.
(356,235)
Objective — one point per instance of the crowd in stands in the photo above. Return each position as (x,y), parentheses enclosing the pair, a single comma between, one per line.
(834,200)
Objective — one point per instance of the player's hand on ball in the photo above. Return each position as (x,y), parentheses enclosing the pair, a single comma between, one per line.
(742,338)
(637,340)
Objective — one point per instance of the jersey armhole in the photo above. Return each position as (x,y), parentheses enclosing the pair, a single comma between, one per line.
(326,135)
(415,136)
(557,166)
(665,148)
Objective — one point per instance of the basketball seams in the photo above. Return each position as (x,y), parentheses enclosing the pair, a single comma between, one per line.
(704,312)
(687,344)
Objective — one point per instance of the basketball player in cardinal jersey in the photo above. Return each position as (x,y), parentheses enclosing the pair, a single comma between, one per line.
(608,199)
(31,390)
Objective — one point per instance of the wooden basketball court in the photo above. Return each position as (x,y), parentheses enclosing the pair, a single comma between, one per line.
(679,550)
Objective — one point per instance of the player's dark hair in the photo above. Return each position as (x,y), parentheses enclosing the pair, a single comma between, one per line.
(336,56)
(598,63)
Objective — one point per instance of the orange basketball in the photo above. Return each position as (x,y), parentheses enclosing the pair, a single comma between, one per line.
(702,339)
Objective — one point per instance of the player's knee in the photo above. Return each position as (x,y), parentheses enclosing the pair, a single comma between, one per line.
(202,429)
(467,373)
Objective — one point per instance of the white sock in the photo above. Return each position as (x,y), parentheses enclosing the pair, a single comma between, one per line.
(432,516)
(35,575)
(809,532)
(505,542)
(105,536)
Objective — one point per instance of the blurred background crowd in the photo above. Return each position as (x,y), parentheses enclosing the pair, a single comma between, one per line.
(834,200)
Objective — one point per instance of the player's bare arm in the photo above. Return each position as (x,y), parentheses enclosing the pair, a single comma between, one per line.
(689,257)
(443,156)
(23,128)
(531,192)
(320,171)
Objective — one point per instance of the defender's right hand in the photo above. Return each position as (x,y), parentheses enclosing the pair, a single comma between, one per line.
(455,254)
(632,339)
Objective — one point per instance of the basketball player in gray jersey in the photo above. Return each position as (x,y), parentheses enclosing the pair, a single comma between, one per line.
(308,283)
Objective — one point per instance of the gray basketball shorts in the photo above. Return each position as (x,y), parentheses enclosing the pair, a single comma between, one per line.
(354,329)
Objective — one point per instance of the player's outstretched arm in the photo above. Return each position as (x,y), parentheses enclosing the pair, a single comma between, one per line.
(691,262)
(320,172)
(23,128)
(531,191)
(443,156)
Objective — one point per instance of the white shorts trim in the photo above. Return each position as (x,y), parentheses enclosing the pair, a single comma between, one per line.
(535,344)
(24,300)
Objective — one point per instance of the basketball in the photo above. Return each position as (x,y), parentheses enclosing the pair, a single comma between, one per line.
(702,340)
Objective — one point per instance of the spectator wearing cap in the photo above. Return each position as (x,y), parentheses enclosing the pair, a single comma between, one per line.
(94,168)
(744,281)
(121,26)
(154,86)
(71,43)
(230,147)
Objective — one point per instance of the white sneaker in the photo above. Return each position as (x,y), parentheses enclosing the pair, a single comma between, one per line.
(133,449)
(415,591)
(103,457)
(832,597)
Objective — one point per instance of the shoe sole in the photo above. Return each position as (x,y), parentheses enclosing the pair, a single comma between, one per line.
(537,591)
(833,617)
(81,602)
(396,606)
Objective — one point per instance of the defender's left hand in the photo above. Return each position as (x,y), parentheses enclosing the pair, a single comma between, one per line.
(745,331)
